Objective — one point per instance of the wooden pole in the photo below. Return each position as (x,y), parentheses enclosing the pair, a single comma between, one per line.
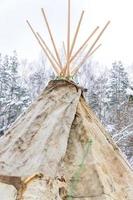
(50,60)
(76,33)
(63,70)
(47,48)
(74,71)
(91,53)
(81,48)
(86,41)
(80,54)
(99,36)
(64,49)
(68,39)
(91,48)
(51,37)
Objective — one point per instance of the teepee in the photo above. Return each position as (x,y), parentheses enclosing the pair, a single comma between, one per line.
(58,149)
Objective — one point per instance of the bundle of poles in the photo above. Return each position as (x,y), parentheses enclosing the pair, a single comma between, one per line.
(66,69)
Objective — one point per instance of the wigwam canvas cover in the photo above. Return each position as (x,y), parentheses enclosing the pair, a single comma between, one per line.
(59,150)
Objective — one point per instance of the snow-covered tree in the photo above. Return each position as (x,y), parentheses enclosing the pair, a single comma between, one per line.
(39,79)
(14,97)
(117,95)
(5,79)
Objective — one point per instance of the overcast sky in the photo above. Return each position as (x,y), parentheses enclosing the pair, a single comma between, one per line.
(117,42)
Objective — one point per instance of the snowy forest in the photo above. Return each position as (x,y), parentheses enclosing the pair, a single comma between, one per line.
(109,93)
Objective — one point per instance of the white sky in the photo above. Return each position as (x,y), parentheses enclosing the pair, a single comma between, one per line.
(117,42)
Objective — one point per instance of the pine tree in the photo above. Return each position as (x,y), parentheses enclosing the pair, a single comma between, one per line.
(117,94)
(97,97)
(39,79)
(19,97)
(14,97)
(4,93)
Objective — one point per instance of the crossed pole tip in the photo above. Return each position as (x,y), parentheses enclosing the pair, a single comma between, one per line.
(55,59)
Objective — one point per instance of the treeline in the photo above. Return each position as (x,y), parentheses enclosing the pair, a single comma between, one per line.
(108,94)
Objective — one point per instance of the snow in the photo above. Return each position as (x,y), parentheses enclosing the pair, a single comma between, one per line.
(129,91)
